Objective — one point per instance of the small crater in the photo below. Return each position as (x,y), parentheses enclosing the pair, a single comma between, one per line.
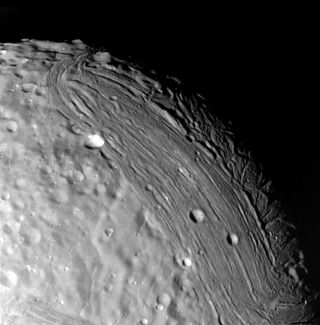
(232,239)
(5,196)
(28,87)
(158,307)
(94,141)
(108,232)
(186,262)
(197,215)
(12,126)
(164,299)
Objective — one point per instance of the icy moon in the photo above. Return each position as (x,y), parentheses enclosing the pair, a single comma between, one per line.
(123,201)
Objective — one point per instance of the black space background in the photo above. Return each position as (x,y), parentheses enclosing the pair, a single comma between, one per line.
(260,74)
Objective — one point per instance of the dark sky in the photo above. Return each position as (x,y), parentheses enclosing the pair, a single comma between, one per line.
(262,74)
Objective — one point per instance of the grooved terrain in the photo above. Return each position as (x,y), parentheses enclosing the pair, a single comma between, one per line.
(124,202)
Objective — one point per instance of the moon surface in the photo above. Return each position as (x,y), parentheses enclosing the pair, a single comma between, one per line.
(123,201)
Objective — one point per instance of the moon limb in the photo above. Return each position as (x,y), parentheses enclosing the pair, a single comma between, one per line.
(47,87)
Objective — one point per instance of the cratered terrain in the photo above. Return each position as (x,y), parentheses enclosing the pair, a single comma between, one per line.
(123,201)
